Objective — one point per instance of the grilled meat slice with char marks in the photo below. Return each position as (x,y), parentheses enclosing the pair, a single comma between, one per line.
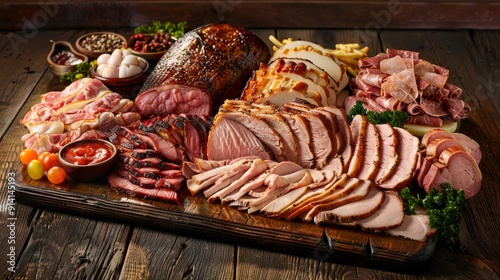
(122,185)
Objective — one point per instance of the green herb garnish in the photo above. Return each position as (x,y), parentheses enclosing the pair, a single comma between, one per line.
(395,118)
(444,209)
(175,30)
(82,71)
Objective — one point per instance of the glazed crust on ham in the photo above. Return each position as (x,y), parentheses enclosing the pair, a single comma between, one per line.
(200,70)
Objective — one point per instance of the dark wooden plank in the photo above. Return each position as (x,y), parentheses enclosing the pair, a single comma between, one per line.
(156,254)
(23,64)
(199,218)
(357,14)
(64,246)
(456,51)
(260,264)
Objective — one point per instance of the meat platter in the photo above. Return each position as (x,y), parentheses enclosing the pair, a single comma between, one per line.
(227,141)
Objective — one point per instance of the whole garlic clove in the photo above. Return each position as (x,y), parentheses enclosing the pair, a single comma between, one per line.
(110,71)
(116,58)
(130,60)
(103,58)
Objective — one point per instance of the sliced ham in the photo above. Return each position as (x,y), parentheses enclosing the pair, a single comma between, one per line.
(358,127)
(226,134)
(333,190)
(318,125)
(456,167)
(299,127)
(352,211)
(407,161)
(258,127)
(390,214)
(371,153)
(345,150)
(389,156)
(414,227)
(359,193)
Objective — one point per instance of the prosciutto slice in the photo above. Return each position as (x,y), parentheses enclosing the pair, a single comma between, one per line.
(400,80)
(401,86)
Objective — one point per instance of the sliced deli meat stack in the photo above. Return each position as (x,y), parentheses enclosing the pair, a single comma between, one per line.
(401,80)
(200,70)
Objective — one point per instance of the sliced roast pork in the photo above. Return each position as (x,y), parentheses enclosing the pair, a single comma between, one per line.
(358,127)
(390,214)
(371,153)
(359,193)
(321,143)
(389,155)
(229,140)
(259,128)
(352,211)
(346,149)
(415,227)
(200,70)
(408,150)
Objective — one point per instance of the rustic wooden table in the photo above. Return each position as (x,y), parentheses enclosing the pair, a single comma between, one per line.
(47,244)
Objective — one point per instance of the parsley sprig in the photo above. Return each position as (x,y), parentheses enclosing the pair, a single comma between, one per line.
(395,118)
(444,209)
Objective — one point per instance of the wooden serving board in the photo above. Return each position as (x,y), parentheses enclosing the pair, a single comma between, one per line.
(199,218)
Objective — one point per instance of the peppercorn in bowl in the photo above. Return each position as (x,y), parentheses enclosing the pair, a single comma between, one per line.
(96,43)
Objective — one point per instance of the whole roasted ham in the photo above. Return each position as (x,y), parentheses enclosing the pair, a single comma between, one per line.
(200,70)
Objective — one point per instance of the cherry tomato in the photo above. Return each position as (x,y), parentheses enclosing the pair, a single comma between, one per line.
(56,175)
(28,155)
(48,160)
(35,169)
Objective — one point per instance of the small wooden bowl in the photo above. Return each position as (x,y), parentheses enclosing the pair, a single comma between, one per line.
(91,172)
(150,56)
(61,69)
(128,87)
(95,54)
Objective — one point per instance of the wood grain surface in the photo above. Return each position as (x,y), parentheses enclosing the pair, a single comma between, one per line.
(61,245)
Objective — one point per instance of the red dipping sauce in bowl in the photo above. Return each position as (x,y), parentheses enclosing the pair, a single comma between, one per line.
(86,153)
(87,160)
